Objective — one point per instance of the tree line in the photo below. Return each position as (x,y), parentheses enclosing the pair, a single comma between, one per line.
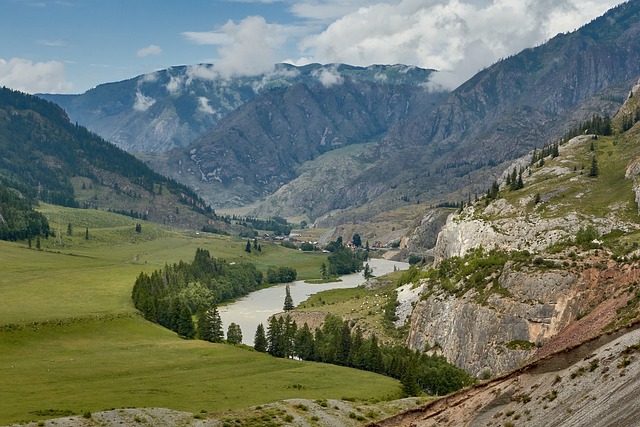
(32,130)
(18,220)
(343,260)
(339,344)
(170,296)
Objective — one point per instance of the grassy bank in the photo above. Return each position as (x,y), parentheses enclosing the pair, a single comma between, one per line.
(71,341)
(94,365)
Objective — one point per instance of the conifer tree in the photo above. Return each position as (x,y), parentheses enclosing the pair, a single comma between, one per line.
(593,170)
(210,326)
(260,339)
(288,301)
(247,248)
(184,321)
(323,270)
(274,337)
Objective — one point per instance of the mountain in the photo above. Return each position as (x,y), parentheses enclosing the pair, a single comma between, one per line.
(404,146)
(170,108)
(530,269)
(45,157)
(258,148)
(523,102)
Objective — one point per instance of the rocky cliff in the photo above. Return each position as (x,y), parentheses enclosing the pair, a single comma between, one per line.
(531,270)
(595,383)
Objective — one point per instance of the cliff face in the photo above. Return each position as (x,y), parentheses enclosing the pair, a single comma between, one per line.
(499,333)
(570,241)
(596,383)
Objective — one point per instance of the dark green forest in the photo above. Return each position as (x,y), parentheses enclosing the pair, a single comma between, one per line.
(18,220)
(41,149)
(338,343)
(171,295)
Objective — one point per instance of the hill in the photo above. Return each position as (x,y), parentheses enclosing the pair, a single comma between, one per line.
(595,383)
(73,344)
(47,158)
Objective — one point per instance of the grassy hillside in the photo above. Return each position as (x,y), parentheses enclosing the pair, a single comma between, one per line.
(71,341)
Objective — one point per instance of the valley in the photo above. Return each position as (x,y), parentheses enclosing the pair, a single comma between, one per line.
(488,238)
(71,341)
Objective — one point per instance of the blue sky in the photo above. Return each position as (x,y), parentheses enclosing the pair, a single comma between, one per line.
(69,46)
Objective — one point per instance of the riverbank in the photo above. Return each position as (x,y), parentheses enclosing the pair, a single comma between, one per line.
(257,307)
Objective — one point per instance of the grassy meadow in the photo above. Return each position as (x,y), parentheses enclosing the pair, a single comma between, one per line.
(71,341)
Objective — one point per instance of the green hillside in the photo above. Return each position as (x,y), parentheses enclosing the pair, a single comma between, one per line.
(71,341)
(45,157)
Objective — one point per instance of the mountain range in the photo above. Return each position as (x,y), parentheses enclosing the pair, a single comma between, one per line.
(338,145)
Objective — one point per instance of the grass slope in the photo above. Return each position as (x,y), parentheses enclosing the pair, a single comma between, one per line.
(95,365)
(70,339)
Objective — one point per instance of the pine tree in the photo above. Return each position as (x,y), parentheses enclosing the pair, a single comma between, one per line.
(593,170)
(260,339)
(409,379)
(304,345)
(274,337)
(247,248)
(234,334)
(367,272)
(184,322)
(69,230)
(323,270)
(210,326)
(288,301)
(86,233)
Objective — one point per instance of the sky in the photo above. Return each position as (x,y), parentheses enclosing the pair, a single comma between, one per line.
(70,46)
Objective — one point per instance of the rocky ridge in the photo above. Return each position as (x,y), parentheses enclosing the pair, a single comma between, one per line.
(594,383)
(559,253)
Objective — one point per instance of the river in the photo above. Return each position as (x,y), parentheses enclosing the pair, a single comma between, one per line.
(257,307)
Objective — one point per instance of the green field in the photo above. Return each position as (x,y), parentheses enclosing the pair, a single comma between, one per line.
(71,341)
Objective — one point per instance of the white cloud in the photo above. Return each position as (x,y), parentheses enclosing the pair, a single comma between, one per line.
(328,76)
(246,48)
(326,9)
(152,49)
(201,72)
(149,78)
(458,37)
(175,85)
(39,77)
(204,106)
(277,74)
(53,43)
(143,103)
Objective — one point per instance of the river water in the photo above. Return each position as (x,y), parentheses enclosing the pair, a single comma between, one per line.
(257,307)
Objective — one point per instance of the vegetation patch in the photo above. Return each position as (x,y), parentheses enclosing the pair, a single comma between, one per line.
(520,345)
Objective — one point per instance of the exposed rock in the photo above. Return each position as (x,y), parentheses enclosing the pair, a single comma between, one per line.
(596,383)
(408,297)
(491,334)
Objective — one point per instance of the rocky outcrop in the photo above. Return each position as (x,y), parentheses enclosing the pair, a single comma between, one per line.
(498,334)
(536,304)
(596,383)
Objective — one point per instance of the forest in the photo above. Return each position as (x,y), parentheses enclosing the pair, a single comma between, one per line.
(172,295)
(339,343)
(18,220)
